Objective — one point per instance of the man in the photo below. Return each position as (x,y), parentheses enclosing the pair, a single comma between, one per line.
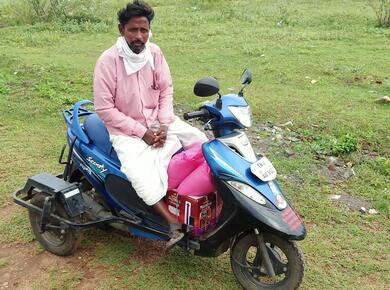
(133,96)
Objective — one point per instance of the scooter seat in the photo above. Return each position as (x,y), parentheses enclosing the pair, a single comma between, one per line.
(97,132)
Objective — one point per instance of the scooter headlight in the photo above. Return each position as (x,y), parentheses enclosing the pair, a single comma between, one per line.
(248,191)
(243,115)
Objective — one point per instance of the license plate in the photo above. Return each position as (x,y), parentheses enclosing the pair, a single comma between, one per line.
(264,169)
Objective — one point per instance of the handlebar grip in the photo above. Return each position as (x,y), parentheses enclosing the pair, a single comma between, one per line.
(195,114)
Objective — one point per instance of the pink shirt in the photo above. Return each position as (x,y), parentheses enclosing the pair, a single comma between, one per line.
(128,105)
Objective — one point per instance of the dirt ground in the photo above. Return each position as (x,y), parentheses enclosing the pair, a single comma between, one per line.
(27,266)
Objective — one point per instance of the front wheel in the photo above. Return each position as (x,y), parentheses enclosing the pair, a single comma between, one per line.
(248,266)
(61,242)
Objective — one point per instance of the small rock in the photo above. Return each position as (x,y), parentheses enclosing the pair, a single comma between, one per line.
(333,160)
(372,154)
(363,209)
(372,211)
(332,163)
(335,196)
(289,123)
(383,100)
(349,173)
(332,167)
(292,139)
(289,153)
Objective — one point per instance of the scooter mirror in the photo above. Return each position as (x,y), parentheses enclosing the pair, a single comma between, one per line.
(206,87)
(246,77)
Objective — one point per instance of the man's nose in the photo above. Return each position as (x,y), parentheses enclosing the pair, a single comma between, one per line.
(138,34)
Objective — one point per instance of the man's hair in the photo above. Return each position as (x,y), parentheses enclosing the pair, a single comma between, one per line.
(136,9)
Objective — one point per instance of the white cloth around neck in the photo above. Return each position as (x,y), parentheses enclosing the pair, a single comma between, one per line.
(133,61)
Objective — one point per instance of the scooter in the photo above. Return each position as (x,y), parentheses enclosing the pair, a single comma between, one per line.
(256,222)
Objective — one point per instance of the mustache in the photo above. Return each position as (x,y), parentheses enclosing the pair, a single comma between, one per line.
(137,42)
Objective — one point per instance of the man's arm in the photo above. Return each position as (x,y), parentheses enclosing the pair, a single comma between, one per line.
(104,87)
(165,113)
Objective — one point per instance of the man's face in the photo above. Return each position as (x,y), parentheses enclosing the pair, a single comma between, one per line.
(136,33)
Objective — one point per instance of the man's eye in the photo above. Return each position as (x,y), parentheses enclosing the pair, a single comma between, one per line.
(135,30)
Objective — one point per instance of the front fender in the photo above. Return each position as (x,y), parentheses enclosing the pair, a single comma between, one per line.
(286,223)
(228,165)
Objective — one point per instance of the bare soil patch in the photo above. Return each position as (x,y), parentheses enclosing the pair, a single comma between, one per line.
(27,266)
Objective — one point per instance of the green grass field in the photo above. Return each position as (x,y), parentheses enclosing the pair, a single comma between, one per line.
(319,64)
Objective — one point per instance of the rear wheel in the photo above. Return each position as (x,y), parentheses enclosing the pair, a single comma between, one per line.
(249,269)
(61,242)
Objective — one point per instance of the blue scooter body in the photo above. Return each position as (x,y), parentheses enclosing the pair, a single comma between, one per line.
(256,222)
(93,155)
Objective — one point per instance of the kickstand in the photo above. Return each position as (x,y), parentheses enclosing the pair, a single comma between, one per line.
(186,230)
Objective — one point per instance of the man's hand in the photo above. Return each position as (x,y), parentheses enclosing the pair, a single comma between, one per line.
(150,137)
(161,136)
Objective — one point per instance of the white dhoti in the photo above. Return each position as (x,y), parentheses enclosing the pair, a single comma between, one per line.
(146,166)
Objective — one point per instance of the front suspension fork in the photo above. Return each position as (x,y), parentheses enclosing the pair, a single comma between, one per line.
(264,253)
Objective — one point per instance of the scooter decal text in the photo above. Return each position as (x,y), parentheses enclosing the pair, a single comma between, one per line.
(291,218)
(85,168)
(97,165)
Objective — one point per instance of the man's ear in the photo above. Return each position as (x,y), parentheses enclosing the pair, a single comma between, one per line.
(121,29)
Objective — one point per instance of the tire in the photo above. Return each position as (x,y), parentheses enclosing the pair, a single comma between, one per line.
(287,260)
(60,244)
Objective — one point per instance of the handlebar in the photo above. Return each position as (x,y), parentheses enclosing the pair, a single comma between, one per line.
(196,114)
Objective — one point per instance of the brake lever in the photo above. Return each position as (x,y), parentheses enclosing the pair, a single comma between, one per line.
(207,126)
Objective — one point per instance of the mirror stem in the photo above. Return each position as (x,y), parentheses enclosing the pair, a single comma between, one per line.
(218,103)
(241,93)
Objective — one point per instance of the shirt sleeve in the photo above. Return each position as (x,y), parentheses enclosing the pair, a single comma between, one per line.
(165,113)
(104,88)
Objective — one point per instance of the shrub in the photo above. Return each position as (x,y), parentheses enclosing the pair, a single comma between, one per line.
(382,11)
(332,146)
(55,11)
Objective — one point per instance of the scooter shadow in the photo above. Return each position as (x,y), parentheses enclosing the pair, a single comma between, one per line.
(136,262)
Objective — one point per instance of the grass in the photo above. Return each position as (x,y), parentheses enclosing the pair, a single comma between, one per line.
(3,263)
(15,227)
(59,278)
(319,64)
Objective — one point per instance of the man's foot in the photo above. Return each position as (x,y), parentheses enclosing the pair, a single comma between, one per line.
(175,236)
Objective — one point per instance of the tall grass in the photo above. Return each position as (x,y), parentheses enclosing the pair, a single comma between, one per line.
(382,11)
(58,12)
